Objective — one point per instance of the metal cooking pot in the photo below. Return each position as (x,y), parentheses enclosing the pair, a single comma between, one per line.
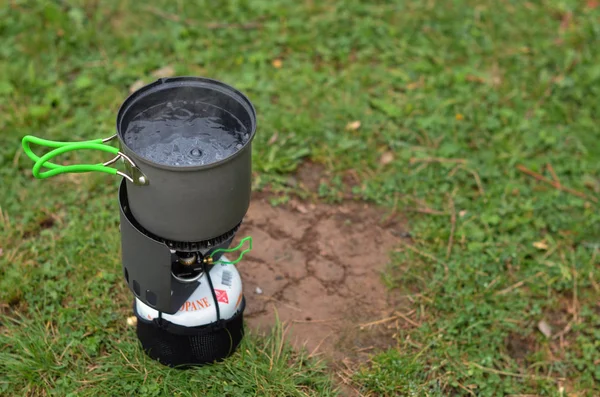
(178,203)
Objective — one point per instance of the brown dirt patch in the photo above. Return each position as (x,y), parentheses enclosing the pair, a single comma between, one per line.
(519,347)
(318,267)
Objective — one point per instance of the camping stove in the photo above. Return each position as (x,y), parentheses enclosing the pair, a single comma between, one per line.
(188,302)
(185,143)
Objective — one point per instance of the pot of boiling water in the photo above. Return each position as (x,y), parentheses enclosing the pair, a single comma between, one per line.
(186,143)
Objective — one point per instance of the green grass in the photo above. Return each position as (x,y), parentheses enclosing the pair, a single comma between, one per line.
(486,86)
(38,359)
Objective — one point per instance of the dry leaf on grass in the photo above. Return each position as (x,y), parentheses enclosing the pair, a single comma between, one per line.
(131,321)
(277,63)
(545,329)
(541,245)
(386,158)
(353,125)
(273,138)
(474,79)
(165,71)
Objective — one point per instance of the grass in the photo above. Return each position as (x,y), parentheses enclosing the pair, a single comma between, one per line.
(471,98)
(38,359)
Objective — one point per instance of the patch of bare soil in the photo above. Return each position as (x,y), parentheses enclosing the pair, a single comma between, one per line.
(318,268)
(519,347)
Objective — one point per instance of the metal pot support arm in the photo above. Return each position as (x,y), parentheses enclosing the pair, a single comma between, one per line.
(136,176)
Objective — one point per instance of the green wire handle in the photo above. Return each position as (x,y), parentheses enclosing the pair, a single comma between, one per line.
(249,239)
(63,147)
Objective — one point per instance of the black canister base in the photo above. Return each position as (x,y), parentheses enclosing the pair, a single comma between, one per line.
(183,347)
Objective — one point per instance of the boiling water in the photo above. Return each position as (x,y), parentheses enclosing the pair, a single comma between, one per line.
(185,133)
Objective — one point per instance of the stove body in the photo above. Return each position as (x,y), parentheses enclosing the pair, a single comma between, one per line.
(189,309)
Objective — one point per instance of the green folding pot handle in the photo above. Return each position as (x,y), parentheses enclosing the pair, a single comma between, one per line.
(64,147)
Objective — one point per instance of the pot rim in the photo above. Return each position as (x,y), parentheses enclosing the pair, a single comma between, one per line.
(186,81)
